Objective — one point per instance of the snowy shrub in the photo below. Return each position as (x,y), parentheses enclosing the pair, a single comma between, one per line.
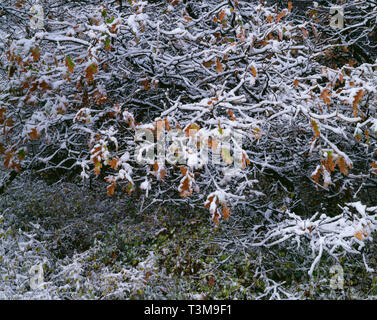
(222,105)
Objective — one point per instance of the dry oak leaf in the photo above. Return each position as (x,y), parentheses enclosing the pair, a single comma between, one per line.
(357,98)
(231,115)
(184,187)
(329,163)
(225,212)
(34,135)
(305,32)
(219,66)
(208,64)
(374,166)
(281,15)
(111,188)
(90,72)
(35,53)
(114,163)
(342,165)
(222,15)
(289,6)
(253,71)
(326,93)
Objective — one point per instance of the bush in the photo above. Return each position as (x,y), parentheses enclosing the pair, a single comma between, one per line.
(129,92)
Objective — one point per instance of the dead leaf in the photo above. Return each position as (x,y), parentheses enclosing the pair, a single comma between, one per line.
(219,66)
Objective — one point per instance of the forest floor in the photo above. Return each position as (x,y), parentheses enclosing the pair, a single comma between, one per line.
(91,246)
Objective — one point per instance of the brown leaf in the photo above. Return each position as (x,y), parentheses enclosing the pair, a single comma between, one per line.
(357,98)
(329,163)
(315,128)
(183,170)
(374,166)
(314,31)
(211,281)
(209,201)
(90,72)
(342,165)
(317,174)
(111,188)
(208,64)
(280,16)
(162,173)
(222,15)
(253,71)
(219,66)
(289,6)
(114,163)
(34,135)
(304,32)
(216,217)
(184,187)
(225,212)
(35,53)
(231,115)
(326,93)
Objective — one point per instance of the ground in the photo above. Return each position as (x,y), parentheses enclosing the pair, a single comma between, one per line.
(96,247)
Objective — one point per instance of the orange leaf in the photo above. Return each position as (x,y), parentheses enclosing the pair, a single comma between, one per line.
(359,235)
(183,170)
(245,161)
(231,115)
(289,6)
(374,166)
(114,163)
(97,168)
(8,157)
(222,15)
